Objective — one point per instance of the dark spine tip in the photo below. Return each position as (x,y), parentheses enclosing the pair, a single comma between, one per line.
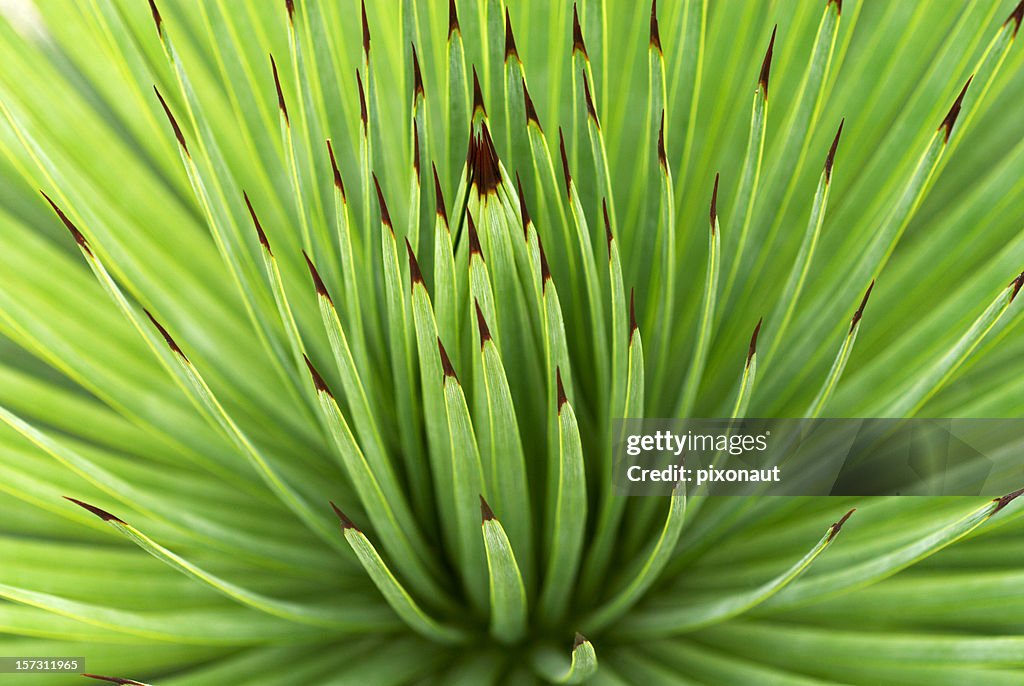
(947,124)
(474,237)
(565,164)
(1015,285)
(318,283)
(713,214)
(166,336)
(102,514)
(1006,500)
(318,381)
(560,389)
(174,122)
(577,34)
(578,640)
(446,363)
(832,151)
(486,169)
(545,270)
(453,19)
(75,233)
(478,95)
(362,103)
(1016,16)
(157,19)
(655,41)
(752,350)
(417,76)
(486,513)
(838,4)
(439,197)
(837,526)
(289,6)
(259,227)
(591,112)
(766,65)
(860,310)
(524,212)
(346,523)
(366,30)
(113,679)
(481,325)
(510,40)
(531,111)
(415,275)
(633,326)
(607,226)
(385,216)
(280,93)
(662,156)
(338,182)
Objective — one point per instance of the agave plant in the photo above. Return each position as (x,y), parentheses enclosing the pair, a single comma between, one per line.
(401,266)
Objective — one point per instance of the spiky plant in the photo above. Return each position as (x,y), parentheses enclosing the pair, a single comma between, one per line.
(404,265)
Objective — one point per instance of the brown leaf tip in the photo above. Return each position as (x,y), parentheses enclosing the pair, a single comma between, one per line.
(318,283)
(578,640)
(591,112)
(832,151)
(1016,16)
(75,233)
(446,363)
(366,30)
(415,275)
(1006,500)
(318,381)
(486,165)
(545,270)
(174,122)
(338,182)
(837,526)
(417,76)
(524,212)
(481,325)
(633,326)
(607,226)
(510,40)
(560,389)
(289,5)
(531,111)
(577,34)
(662,156)
(655,41)
(752,350)
(478,95)
(486,513)
(157,19)
(766,65)
(565,164)
(102,514)
(166,336)
(346,523)
(259,227)
(453,19)
(385,216)
(1015,285)
(714,205)
(838,4)
(114,679)
(947,124)
(863,303)
(280,94)
(474,237)
(439,207)
(362,103)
